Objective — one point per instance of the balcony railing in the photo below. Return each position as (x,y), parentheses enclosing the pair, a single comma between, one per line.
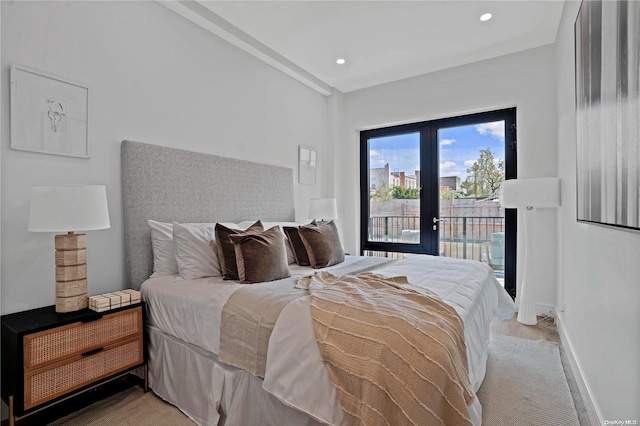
(463,237)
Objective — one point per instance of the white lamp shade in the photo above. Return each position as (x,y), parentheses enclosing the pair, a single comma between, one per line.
(64,208)
(536,193)
(323,208)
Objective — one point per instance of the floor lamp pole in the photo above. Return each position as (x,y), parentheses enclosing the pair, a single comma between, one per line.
(526,306)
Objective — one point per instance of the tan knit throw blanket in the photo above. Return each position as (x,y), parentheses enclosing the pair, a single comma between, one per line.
(395,352)
(248,319)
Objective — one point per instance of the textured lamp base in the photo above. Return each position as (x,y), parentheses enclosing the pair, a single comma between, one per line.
(71,272)
(71,304)
(71,288)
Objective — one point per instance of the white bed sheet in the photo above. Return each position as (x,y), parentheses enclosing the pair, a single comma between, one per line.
(189,310)
(192,311)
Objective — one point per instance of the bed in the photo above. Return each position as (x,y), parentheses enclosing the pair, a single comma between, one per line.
(185,317)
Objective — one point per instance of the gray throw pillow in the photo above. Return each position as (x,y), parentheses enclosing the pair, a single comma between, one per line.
(322,244)
(261,257)
(226,251)
(297,246)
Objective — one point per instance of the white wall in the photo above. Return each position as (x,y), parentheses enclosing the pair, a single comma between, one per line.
(524,80)
(599,273)
(155,78)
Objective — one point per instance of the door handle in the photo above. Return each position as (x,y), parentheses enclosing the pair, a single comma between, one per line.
(435,222)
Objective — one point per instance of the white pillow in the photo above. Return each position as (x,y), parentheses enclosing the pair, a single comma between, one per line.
(164,251)
(195,250)
(290,257)
(164,258)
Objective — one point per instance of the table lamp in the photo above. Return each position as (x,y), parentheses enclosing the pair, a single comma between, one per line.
(69,208)
(324,209)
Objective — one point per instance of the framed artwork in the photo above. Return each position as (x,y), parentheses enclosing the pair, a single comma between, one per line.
(306,164)
(49,114)
(607,37)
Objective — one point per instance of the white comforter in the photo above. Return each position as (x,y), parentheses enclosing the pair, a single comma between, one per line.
(192,310)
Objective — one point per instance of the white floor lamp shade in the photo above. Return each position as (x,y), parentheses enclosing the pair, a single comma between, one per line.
(530,194)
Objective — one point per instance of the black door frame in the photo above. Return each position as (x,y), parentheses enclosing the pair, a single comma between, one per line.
(429,184)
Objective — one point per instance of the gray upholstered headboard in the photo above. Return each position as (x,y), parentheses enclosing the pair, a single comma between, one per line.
(168,184)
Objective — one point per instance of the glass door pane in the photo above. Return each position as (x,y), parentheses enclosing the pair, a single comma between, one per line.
(394,188)
(472,169)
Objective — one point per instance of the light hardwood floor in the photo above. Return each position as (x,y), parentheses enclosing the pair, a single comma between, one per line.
(544,330)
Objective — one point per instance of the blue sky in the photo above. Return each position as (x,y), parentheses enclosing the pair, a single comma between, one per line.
(459,147)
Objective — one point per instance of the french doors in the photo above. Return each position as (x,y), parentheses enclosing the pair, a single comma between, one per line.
(433,188)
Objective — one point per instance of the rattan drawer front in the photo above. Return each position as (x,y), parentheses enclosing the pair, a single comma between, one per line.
(50,382)
(53,345)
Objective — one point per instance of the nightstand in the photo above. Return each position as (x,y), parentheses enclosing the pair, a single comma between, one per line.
(48,357)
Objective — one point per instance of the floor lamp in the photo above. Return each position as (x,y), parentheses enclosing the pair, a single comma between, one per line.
(532,194)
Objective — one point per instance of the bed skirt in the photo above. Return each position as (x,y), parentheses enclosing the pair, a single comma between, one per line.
(210,392)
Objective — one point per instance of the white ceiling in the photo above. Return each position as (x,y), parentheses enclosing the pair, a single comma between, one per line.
(384,41)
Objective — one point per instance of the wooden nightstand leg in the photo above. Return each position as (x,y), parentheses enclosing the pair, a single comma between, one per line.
(146,378)
(12,420)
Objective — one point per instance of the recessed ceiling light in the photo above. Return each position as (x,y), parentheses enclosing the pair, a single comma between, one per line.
(486,17)
(340,61)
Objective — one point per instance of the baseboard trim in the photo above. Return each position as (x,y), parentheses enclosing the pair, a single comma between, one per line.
(593,412)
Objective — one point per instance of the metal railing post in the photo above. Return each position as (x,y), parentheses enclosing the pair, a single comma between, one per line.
(464,237)
(386,226)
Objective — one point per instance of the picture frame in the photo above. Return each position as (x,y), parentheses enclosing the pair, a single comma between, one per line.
(49,114)
(607,42)
(307,163)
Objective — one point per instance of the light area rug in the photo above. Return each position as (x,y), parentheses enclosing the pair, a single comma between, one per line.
(525,385)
